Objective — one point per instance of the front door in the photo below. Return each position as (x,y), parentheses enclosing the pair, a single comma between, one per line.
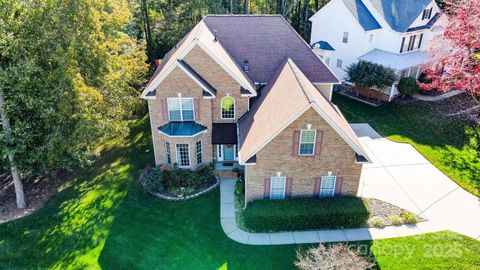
(227,152)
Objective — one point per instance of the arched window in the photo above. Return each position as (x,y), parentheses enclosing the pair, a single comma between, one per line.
(228,107)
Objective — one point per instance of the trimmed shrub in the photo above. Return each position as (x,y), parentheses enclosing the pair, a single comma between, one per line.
(378,222)
(396,220)
(153,179)
(298,214)
(365,74)
(408,86)
(338,256)
(408,217)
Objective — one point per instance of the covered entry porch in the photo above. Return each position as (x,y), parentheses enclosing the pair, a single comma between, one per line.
(224,140)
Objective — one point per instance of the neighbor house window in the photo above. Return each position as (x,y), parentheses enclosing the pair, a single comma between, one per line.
(411,43)
(307,142)
(183,155)
(339,63)
(327,60)
(199,152)
(228,108)
(327,187)
(181,109)
(277,187)
(345,37)
(427,13)
(167,150)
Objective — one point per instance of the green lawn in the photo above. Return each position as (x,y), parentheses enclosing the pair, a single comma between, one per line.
(450,143)
(104,220)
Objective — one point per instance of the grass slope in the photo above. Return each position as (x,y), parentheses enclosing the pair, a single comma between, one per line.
(450,143)
(103,220)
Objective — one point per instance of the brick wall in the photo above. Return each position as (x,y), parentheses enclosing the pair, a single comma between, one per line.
(180,83)
(336,156)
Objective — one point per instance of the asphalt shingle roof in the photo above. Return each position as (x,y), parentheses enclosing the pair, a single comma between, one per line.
(362,14)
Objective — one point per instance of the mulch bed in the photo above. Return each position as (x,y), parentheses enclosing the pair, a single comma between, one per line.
(384,210)
(37,191)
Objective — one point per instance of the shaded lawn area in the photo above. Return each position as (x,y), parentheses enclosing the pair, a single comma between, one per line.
(451,143)
(103,220)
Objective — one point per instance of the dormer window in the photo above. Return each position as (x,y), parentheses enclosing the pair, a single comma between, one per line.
(410,43)
(345,37)
(427,13)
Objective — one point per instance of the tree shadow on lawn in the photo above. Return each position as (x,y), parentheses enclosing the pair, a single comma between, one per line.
(71,228)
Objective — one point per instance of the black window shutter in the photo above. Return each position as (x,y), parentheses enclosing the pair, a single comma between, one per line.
(424,13)
(401,46)
(420,41)
(430,13)
(412,39)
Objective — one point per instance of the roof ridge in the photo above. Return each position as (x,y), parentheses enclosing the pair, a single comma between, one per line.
(307,95)
(243,15)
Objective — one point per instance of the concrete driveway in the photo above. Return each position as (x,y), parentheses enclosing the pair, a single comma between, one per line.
(400,175)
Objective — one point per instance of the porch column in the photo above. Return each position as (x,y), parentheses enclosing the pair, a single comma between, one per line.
(390,95)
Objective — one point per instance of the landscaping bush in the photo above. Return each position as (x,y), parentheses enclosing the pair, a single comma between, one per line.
(365,74)
(396,220)
(408,217)
(240,193)
(378,222)
(153,179)
(298,214)
(408,86)
(338,256)
(177,181)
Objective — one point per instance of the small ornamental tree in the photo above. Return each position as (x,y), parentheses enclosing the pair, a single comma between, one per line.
(455,62)
(368,75)
(408,86)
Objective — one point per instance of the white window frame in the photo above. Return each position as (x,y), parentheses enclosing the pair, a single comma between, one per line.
(345,37)
(178,158)
(181,108)
(339,61)
(168,154)
(271,186)
(334,184)
(220,152)
(314,142)
(197,153)
(327,60)
(234,108)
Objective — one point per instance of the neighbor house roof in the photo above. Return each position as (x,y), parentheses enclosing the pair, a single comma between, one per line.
(394,60)
(265,41)
(323,45)
(400,14)
(287,96)
(429,25)
(362,14)
(200,35)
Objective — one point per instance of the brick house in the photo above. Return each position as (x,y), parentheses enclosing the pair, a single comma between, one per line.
(247,92)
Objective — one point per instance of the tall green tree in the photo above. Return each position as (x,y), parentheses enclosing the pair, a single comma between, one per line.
(69,73)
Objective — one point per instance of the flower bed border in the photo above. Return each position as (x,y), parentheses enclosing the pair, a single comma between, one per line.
(180,199)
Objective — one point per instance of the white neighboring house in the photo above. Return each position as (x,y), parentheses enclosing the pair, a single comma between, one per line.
(392,33)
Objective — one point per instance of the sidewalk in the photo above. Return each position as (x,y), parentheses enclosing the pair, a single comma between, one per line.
(229,225)
(436,98)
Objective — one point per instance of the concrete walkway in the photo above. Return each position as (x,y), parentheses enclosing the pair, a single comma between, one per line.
(436,98)
(398,175)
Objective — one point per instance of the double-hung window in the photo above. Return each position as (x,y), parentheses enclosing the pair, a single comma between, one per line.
(277,187)
(199,152)
(168,155)
(345,37)
(307,142)
(181,109)
(182,155)
(327,186)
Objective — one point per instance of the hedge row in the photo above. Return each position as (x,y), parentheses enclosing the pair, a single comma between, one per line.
(300,214)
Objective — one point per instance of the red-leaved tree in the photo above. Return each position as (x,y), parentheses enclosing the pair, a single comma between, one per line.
(455,62)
